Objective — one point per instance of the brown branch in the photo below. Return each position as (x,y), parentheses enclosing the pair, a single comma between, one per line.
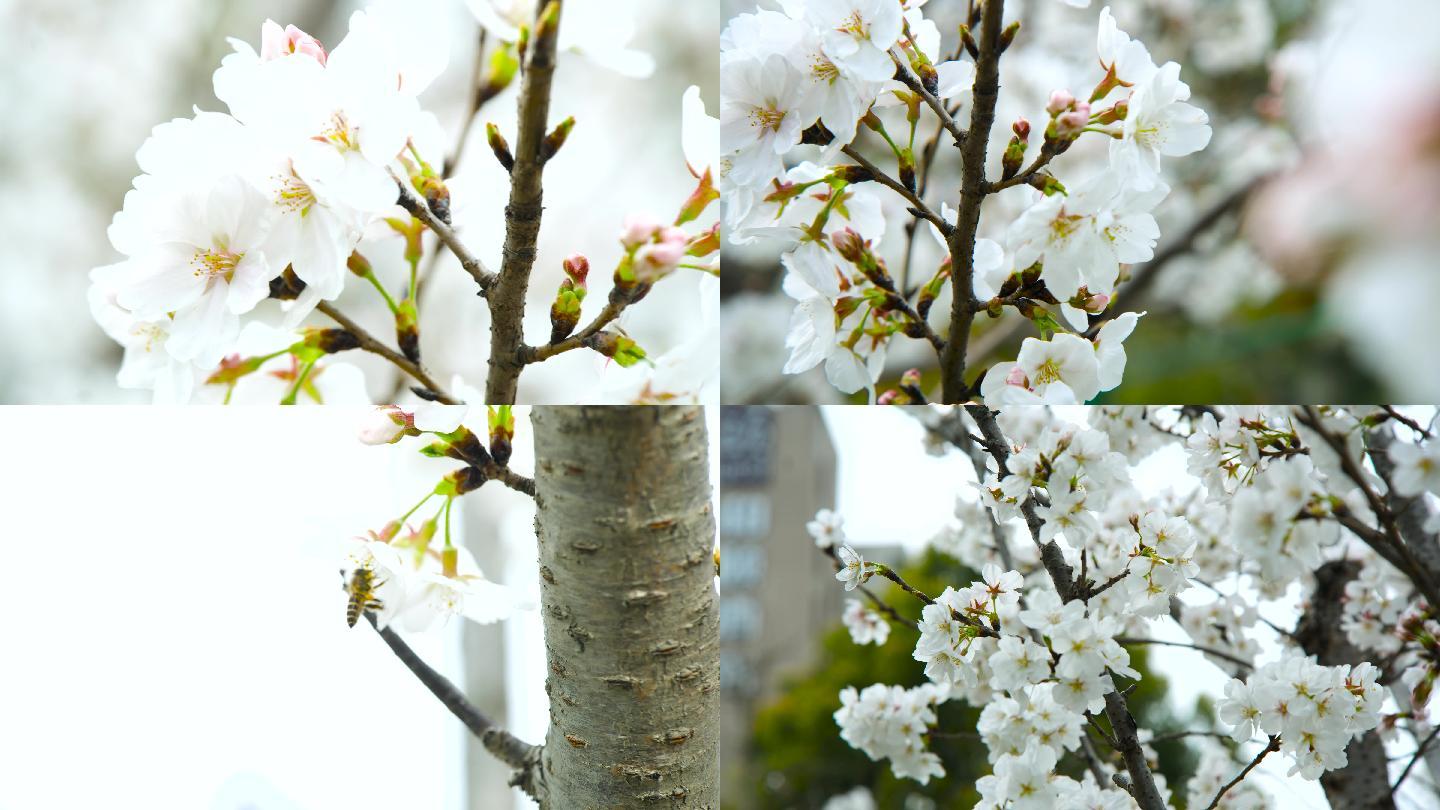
(1047,152)
(1190,645)
(1273,746)
(972,194)
(421,211)
(523,757)
(522,214)
(537,354)
(1419,752)
(902,72)
(369,343)
(917,205)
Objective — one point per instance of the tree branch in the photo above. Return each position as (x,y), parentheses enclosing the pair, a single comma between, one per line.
(522,214)
(1274,745)
(972,194)
(523,757)
(917,205)
(369,343)
(1190,645)
(421,211)
(536,354)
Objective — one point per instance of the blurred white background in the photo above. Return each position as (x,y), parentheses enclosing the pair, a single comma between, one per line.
(175,635)
(84,83)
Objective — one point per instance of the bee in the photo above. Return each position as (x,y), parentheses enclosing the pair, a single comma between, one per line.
(362,588)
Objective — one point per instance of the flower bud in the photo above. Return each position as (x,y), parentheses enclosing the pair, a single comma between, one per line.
(852,174)
(1021,128)
(1069,124)
(329,341)
(849,245)
(618,347)
(1017,377)
(287,286)
(556,139)
(499,72)
(968,40)
(892,397)
(502,432)
(929,78)
(1060,101)
(1008,35)
(910,378)
(499,146)
(385,425)
(407,329)
(276,42)
(359,265)
(637,230)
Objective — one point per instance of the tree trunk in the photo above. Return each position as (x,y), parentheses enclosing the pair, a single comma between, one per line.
(628,599)
(1363,784)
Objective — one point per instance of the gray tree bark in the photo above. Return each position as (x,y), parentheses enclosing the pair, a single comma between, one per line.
(628,599)
(1363,784)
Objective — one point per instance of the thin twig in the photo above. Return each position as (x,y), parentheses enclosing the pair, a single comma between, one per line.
(421,211)
(1419,752)
(506,747)
(902,72)
(1273,746)
(1191,645)
(369,343)
(537,354)
(917,205)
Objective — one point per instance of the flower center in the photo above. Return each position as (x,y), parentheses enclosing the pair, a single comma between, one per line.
(767,118)
(1048,372)
(293,194)
(855,26)
(823,70)
(215,263)
(149,332)
(339,134)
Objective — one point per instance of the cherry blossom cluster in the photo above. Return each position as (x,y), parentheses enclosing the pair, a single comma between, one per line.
(242,223)
(889,722)
(422,577)
(803,86)
(1314,710)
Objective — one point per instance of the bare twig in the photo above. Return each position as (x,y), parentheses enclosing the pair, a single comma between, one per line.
(917,205)
(369,343)
(612,310)
(523,757)
(1419,752)
(421,211)
(1273,746)
(1191,645)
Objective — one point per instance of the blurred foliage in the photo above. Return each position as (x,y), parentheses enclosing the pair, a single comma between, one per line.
(800,761)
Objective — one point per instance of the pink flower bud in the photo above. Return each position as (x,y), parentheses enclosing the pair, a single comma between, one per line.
(1017,377)
(658,258)
(1021,128)
(911,378)
(637,231)
(1097,303)
(385,425)
(1060,101)
(276,42)
(1070,124)
(849,244)
(577,267)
